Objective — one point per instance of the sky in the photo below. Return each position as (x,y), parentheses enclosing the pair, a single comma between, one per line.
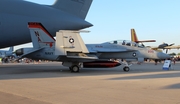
(113,19)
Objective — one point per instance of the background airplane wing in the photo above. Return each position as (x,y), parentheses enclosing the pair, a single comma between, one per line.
(172,47)
(167,47)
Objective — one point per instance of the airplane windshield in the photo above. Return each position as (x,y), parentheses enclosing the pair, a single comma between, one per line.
(127,43)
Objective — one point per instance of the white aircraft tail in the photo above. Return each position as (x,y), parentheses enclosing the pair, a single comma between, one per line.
(11,49)
(79,8)
(40,36)
(69,41)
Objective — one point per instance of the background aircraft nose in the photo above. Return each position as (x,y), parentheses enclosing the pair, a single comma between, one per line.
(162,55)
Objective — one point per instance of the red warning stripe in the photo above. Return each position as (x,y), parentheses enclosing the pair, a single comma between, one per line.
(39,25)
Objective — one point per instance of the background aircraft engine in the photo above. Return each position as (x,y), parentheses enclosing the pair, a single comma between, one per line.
(101,64)
(19,52)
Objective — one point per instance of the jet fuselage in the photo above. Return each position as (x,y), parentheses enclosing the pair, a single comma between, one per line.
(127,52)
(102,51)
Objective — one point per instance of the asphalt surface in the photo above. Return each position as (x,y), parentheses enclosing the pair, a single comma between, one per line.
(51,83)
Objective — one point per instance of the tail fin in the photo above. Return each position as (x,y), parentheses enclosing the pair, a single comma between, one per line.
(69,41)
(11,49)
(40,36)
(134,37)
(79,8)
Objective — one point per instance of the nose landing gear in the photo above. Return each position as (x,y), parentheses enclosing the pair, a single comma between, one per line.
(126,69)
(126,66)
(74,68)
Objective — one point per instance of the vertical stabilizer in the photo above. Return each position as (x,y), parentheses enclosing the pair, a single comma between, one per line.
(40,36)
(69,41)
(11,49)
(133,36)
(79,8)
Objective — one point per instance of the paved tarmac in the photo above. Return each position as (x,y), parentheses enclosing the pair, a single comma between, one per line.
(51,83)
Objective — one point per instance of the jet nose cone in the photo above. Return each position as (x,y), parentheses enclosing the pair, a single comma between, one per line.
(162,55)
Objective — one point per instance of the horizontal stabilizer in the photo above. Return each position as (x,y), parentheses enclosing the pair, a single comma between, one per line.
(141,41)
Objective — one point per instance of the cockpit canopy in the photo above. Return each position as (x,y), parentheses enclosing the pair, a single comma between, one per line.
(127,43)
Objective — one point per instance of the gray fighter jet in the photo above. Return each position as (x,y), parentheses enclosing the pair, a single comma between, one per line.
(70,49)
(62,15)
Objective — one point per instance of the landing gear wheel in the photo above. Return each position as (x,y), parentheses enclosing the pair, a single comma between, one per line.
(74,68)
(126,69)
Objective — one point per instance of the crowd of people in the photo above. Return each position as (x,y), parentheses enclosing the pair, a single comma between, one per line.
(23,60)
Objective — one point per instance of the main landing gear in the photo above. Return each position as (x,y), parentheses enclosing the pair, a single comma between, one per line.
(74,68)
(126,66)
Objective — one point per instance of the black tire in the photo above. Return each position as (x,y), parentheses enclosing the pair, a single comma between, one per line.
(74,68)
(126,69)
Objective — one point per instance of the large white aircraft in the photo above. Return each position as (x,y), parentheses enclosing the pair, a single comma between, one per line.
(62,15)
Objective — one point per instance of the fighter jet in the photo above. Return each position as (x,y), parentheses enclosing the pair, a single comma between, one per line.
(62,15)
(70,49)
(161,46)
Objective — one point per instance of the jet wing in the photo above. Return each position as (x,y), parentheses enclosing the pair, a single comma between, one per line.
(110,50)
(79,57)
